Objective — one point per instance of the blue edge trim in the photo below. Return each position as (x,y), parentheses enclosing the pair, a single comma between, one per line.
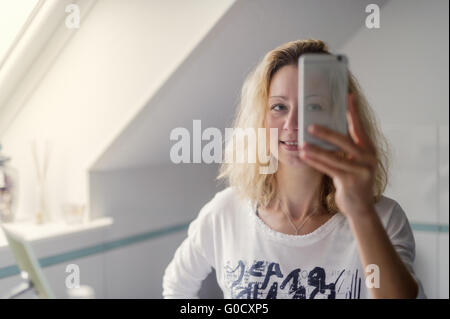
(103,247)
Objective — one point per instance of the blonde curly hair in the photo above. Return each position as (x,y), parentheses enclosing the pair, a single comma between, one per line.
(245,178)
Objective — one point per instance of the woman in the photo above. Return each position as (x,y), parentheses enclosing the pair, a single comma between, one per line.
(319,226)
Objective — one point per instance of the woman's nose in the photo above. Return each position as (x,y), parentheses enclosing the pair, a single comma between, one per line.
(291,122)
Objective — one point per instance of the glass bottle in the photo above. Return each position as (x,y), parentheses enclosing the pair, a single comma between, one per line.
(8,190)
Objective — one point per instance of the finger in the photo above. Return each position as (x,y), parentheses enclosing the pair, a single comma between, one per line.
(321,167)
(329,158)
(344,142)
(338,169)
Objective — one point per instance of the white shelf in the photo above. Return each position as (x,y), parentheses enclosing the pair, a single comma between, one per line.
(33,232)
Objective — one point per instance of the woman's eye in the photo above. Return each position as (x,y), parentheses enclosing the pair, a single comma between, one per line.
(277,105)
(314,107)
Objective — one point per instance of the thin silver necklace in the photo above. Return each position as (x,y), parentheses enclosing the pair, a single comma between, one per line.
(297,229)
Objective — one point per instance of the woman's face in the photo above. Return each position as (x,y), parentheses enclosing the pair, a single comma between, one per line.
(282,113)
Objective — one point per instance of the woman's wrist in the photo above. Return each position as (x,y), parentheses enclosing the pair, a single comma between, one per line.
(363,216)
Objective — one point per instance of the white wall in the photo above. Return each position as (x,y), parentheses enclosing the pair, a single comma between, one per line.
(403,69)
(142,200)
(118,58)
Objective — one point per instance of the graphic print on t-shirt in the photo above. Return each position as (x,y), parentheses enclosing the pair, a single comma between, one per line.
(265,280)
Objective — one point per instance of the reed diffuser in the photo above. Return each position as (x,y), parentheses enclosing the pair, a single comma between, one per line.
(41,213)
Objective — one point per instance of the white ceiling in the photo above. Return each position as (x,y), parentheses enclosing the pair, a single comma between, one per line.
(13,18)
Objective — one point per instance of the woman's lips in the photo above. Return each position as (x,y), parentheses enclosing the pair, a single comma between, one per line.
(289,147)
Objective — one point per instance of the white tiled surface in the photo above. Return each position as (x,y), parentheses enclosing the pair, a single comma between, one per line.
(53,239)
(443,266)
(443,174)
(417,193)
(426,262)
(419,182)
(414,146)
(414,170)
(91,274)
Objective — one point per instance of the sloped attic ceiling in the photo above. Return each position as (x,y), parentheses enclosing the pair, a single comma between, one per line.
(207,85)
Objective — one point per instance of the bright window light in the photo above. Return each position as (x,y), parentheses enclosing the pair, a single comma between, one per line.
(13,15)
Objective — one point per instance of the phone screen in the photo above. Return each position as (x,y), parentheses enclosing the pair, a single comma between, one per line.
(322,95)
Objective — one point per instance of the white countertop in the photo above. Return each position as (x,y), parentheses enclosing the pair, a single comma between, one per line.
(34,232)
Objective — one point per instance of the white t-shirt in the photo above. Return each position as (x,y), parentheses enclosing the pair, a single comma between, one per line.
(252,260)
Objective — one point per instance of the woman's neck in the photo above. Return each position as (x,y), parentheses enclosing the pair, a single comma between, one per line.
(298,191)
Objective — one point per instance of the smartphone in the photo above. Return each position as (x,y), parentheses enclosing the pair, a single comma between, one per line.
(322,95)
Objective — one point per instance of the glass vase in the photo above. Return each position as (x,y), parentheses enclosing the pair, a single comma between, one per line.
(9,180)
(42,210)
